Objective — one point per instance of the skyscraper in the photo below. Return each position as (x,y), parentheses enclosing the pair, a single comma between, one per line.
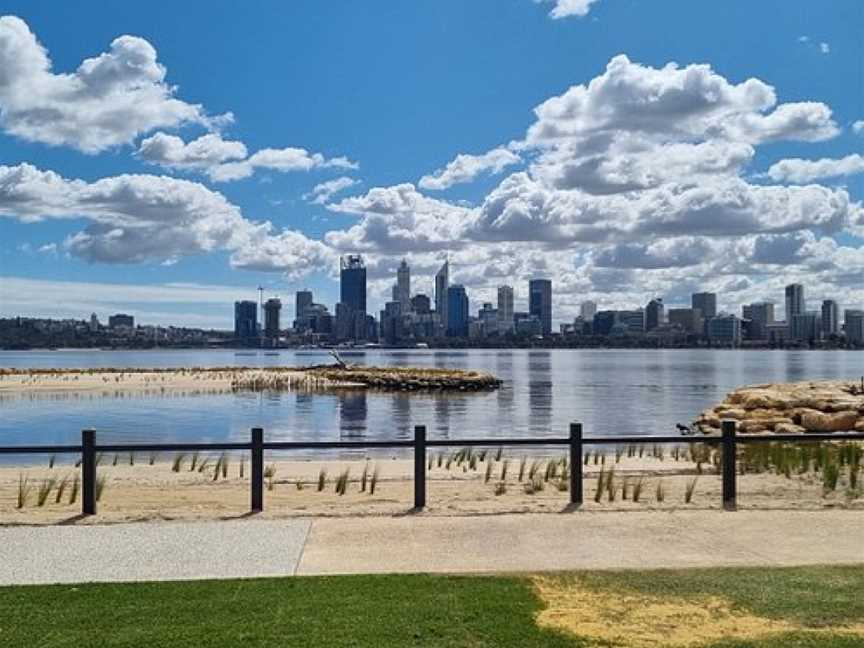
(245,320)
(272,311)
(706,302)
(505,309)
(654,314)
(794,302)
(442,283)
(403,287)
(587,310)
(540,303)
(302,301)
(830,318)
(352,282)
(457,311)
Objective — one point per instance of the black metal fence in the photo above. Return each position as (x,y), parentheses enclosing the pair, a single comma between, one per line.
(728,441)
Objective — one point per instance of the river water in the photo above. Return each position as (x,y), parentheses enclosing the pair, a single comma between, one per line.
(609,391)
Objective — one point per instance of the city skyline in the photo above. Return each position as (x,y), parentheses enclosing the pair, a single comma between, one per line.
(263,162)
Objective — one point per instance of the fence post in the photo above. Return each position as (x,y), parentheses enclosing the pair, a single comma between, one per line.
(257,469)
(576,464)
(88,472)
(730,473)
(419,466)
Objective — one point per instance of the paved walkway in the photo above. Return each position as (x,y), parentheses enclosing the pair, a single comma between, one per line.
(417,543)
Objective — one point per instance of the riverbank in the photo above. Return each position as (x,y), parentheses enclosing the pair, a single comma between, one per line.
(457,486)
(234,379)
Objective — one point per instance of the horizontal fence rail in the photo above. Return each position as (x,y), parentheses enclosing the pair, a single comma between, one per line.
(728,440)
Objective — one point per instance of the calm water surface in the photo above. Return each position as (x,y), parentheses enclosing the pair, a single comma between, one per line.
(609,391)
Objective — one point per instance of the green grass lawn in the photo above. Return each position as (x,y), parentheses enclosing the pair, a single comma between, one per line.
(410,610)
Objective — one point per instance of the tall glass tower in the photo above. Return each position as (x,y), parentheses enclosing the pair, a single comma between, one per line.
(352,282)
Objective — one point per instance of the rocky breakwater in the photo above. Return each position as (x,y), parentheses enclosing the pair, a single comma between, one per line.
(790,408)
(407,378)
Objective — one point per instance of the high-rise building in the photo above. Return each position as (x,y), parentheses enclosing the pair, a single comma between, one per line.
(421,304)
(272,313)
(725,330)
(245,320)
(830,317)
(352,282)
(457,311)
(540,303)
(794,302)
(587,310)
(853,326)
(488,319)
(804,327)
(706,302)
(688,320)
(654,314)
(121,320)
(761,316)
(94,323)
(442,283)
(505,309)
(403,286)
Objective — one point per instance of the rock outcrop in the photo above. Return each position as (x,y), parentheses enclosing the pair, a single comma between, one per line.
(790,408)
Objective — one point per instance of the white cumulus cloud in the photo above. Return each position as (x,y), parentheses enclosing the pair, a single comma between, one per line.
(567,8)
(465,168)
(801,171)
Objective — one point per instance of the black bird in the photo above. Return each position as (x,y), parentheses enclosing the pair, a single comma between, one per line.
(683,429)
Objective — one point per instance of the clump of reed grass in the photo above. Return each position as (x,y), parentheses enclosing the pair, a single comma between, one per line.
(342,482)
(61,488)
(177,462)
(619,452)
(601,484)
(562,485)
(269,474)
(830,477)
(534,485)
(242,466)
(504,465)
(194,463)
(24,488)
(440,459)
(430,462)
(322,479)
(99,457)
(551,471)
(226,459)
(660,492)
(373,482)
(689,490)
(499,453)
(637,488)
(151,459)
(73,492)
(625,488)
(205,462)
(100,487)
(131,458)
(611,488)
(586,459)
(500,488)
(522,462)
(51,461)
(299,484)
(534,469)
(44,490)
(472,462)
(116,458)
(364,477)
(488,475)
(482,455)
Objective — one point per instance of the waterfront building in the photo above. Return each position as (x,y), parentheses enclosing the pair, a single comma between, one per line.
(302,301)
(94,323)
(830,318)
(442,283)
(505,309)
(121,320)
(688,320)
(604,321)
(706,302)
(795,304)
(632,321)
(725,330)
(391,322)
(804,327)
(488,319)
(527,325)
(245,320)
(540,302)
(272,316)
(587,310)
(760,315)
(457,311)
(654,314)
(853,326)
(403,287)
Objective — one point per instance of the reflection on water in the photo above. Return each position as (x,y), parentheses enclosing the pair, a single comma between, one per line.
(609,391)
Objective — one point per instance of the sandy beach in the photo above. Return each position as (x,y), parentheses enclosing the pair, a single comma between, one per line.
(155,492)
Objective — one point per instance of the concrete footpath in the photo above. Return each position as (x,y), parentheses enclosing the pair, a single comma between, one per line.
(418,543)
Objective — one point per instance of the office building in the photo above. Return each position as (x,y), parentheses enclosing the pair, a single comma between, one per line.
(725,330)
(488,319)
(505,309)
(352,282)
(630,322)
(272,316)
(706,302)
(688,320)
(830,318)
(540,302)
(587,310)
(804,327)
(121,320)
(302,301)
(421,304)
(654,314)
(245,320)
(94,323)
(760,315)
(853,326)
(442,283)
(403,287)
(457,311)
(794,302)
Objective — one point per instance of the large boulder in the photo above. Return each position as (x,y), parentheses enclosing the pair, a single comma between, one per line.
(823,422)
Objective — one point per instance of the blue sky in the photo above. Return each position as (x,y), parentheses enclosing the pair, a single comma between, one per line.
(386,93)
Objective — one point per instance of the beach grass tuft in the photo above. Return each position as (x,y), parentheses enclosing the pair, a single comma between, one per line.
(488,475)
(522,462)
(194,464)
(44,490)
(637,488)
(342,482)
(364,477)
(73,493)
(500,488)
(689,490)
(373,482)
(322,479)
(61,488)
(660,492)
(51,461)
(177,462)
(100,487)
(24,488)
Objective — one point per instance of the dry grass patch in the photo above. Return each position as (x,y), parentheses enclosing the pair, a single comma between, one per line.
(636,620)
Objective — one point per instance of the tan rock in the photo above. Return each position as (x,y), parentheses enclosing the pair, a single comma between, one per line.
(819,422)
(788,428)
(859,426)
(731,413)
